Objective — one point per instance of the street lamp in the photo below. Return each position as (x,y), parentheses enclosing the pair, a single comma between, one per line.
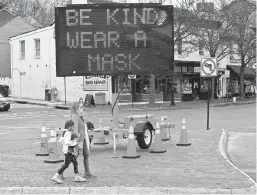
(21,73)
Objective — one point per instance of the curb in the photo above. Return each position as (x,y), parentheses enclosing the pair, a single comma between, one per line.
(121,190)
(63,107)
(163,107)
(223,150)
(183,108)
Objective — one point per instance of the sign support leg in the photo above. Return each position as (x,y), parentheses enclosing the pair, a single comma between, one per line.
(208,104)
(65,90)
(115,111)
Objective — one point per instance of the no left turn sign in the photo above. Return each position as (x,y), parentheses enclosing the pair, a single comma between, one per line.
(209,67)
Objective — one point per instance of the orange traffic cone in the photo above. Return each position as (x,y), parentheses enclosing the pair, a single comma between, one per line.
(163,130)
(100,140)
(44,144)
(157,145)
(53,152)
(131,148)
(183,135)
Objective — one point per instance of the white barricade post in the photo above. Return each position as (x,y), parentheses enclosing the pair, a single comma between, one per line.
(114,145)
(44,143)
(102,140)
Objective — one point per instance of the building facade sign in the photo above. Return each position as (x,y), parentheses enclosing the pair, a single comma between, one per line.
(91,83)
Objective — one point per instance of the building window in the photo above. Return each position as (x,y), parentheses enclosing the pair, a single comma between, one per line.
(22,50)
(180,46)
(200,47)
(184,68)
(37,48)
(177,69)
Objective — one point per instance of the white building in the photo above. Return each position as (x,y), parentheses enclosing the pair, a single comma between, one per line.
(34,69)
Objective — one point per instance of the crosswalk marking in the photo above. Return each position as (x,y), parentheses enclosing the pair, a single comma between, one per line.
(12,116)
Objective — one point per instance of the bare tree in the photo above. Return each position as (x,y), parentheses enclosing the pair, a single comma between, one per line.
(41,12)
(243,34)
(3,4)
(209,25)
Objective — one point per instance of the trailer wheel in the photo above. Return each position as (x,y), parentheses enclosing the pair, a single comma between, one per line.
(144,139)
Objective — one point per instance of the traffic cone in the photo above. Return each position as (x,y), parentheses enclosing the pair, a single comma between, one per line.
(183,135)
(131,148)
(53,152)
(44,144)
(101,140)
(163,130)
(157,145)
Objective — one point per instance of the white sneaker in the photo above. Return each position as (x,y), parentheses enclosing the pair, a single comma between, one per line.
(78,178)
(56,178)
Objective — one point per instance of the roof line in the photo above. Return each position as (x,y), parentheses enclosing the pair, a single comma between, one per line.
(29,22)
(7,11)
(30,32)
(18,17)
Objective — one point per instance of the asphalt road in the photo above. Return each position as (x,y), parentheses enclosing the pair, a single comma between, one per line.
(21,126)
(22,123)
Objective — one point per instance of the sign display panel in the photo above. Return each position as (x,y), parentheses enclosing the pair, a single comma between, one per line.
(113,39)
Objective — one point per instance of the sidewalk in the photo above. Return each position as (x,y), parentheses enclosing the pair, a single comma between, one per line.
(242,152)
(199,168)
(139,105)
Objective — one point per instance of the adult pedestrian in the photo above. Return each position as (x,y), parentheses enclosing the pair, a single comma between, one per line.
(78,118)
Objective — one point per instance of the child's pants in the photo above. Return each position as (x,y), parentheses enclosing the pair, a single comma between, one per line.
(68,159)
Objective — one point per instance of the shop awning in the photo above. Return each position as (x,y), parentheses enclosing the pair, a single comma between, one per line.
(248,72)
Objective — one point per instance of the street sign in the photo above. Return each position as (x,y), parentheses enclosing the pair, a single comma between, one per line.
(113,39)
(197,69)
(227,73)
(209,67)
(132,76)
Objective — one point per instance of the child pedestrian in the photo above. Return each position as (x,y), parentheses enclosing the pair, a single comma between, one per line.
(70,151)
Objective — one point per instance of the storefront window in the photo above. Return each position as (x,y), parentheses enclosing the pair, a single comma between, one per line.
(184,69)
(177,69)
(143,84)
(124,84)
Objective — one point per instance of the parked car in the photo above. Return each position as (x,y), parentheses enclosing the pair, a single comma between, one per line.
(4,104)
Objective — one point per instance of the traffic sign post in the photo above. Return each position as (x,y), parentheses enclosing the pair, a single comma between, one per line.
(209,68)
